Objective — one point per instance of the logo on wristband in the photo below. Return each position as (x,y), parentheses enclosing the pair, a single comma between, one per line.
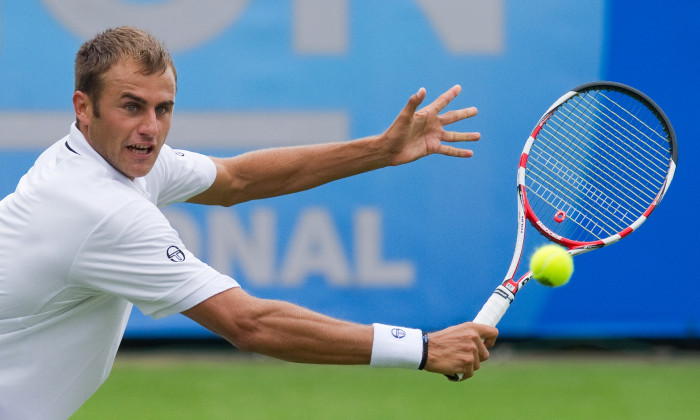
(398,333)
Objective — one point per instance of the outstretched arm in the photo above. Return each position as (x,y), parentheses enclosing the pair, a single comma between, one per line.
(292,333)
(278,171)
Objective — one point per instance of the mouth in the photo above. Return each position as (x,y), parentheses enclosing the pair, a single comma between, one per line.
(140,149)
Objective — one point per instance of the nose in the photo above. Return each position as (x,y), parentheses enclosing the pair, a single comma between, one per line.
(149,124)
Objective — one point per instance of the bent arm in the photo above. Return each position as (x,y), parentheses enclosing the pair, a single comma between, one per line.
(283,330)
(289,332)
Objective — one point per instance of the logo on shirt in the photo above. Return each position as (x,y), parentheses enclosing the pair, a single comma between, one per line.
(175,254)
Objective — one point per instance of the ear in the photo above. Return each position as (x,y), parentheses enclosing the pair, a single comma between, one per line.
(83,108)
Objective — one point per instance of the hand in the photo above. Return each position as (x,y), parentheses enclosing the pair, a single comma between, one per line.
(460,349)
(415,134)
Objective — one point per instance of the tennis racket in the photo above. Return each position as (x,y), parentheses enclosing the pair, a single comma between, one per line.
(596,165)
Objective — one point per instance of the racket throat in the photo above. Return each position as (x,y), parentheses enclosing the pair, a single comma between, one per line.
(504,293)
(494,309)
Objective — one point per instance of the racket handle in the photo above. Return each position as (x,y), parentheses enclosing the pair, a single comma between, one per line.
(492,312)
(494,308)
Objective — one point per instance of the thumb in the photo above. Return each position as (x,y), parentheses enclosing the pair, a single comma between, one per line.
(415,100)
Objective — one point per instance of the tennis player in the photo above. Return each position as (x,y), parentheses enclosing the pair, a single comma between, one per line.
(82,238)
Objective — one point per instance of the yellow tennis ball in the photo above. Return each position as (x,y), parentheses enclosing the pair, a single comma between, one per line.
(552,266)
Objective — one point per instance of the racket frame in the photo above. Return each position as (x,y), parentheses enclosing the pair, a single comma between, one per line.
(498,303)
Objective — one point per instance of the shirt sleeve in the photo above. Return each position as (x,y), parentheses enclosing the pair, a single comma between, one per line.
(134,253)
(179,175)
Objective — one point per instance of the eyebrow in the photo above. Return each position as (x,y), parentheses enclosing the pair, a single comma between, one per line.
(140,100)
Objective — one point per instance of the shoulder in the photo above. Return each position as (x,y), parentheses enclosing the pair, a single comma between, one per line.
(66,183)
(173,161)
(179,174)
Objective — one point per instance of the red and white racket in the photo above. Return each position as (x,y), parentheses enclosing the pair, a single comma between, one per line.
(596,165)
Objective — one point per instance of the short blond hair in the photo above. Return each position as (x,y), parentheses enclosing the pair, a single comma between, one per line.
(96,56)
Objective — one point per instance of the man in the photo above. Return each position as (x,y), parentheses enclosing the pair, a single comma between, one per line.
(82,239)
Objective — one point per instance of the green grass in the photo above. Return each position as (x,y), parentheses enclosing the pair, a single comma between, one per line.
(561,388)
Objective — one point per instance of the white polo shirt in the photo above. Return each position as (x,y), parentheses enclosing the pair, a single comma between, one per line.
(79,245)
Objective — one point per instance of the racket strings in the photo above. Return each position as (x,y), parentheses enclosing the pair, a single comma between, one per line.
(601,158)
(657,136)
(570,128)
(611,217)
(588,200)
(618,186)
(617,157)
(556,201)
(659,153)
(586,192)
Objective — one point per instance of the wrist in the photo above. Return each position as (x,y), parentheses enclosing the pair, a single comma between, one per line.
(399,347)
(379,147)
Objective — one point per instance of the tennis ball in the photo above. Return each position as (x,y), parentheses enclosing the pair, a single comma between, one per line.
(552,266)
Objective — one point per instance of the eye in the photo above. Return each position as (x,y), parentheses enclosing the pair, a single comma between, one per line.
(131,107)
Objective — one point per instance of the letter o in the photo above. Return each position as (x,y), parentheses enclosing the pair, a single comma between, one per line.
(182,24)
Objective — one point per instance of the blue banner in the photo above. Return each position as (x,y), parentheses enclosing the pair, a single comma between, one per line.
(421,245)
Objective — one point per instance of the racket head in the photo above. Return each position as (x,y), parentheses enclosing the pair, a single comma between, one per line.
(596,165)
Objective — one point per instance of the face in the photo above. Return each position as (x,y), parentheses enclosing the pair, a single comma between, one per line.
(135,114)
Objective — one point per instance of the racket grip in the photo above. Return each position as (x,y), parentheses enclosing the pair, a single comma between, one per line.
(494,308)
(492,312)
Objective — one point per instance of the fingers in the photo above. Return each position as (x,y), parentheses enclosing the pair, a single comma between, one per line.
(468,372)
(452,136)
(458,351)
(416,133)
(489,342)
(487,333)
(440,103)
(479,354)
(455,136)
(458,115)
(454,151)
(451,117)
(483,352)
(443,100)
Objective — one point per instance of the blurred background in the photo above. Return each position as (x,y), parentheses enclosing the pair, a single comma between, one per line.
(421,245)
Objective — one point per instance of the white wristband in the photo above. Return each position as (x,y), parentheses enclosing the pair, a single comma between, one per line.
(396,347)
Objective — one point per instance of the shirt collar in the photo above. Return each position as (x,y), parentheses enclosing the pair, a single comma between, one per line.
(77,143)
